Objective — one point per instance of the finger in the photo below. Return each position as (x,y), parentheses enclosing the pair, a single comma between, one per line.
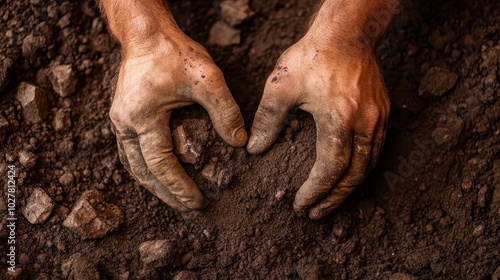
(269,118)
(353,176)
(123,156)
(333,153)
(155,146)
(378,145)
(223,110)
(131,157)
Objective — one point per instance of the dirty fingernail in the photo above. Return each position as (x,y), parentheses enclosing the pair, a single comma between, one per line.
(241,135)
(251,144)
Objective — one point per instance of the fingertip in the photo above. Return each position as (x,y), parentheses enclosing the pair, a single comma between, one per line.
(316,214)
(252,147)
(240,137)
(299,208)
(196,202)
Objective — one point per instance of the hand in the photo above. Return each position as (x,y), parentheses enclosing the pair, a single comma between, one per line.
(155,78)
(345,93)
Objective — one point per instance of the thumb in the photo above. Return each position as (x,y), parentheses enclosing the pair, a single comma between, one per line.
(275,104)
(223,110)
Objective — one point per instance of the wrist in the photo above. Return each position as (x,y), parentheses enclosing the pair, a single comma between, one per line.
(352,26)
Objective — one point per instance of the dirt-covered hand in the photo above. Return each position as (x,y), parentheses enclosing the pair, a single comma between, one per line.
(345,93)
(154,79)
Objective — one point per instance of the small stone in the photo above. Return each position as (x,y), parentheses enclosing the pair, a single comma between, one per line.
(157,253)
(63,79)
(224,35)
(31,46)
(27,159)
(478,231)
(5,71)
(62,119)
(79,267)
(34,102)
(93,218)
(4,129)
(38,207)
(225,177)
(280,194)
(235,12)
(209,172)
(187,151)
(66,179)
(436,82)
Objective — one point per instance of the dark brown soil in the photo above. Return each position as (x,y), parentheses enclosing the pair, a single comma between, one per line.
(437,217)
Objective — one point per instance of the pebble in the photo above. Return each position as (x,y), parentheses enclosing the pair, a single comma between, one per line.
(436,82)
(224,177)
(63,79)
(38,207)
(157,253)
(79,267)
(224,35)
(27,159)
(66,179)
(209,172)
(478,231)
(31,46)
(33,101)
(92,217)
(280,194)
(235,12)
(184,148)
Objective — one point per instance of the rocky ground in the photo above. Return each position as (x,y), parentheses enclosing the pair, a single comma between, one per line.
(430,209)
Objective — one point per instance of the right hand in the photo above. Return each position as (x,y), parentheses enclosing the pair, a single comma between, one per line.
(156,78)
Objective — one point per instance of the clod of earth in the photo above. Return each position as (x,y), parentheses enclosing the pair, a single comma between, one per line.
(436,82)
(27,159)
(235,12)
(224,35)
(187,151)
(157,253)
(79,267)
(93,218)
(34,102)
(38,207)
(63,79)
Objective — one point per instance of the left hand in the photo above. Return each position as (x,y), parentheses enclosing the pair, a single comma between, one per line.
(345,92)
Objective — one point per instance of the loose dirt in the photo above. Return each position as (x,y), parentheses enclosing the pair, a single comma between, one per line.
(430,209)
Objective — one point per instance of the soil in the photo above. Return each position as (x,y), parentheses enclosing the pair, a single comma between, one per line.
(430,209)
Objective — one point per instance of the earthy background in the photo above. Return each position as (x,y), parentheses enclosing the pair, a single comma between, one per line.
(438,217)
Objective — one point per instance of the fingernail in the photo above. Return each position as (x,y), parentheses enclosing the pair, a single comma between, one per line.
(251,144)
(241,135)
